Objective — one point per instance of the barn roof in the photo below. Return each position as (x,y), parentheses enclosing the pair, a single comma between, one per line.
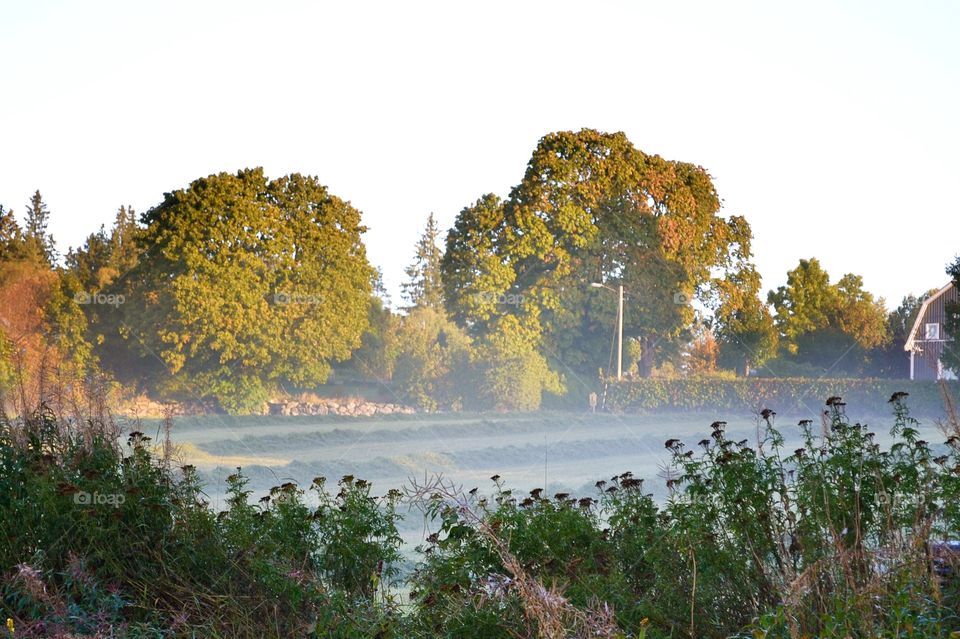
(923,309)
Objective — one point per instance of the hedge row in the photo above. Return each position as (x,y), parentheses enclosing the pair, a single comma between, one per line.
(784,395)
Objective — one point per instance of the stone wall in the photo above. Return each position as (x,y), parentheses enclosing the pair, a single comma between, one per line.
(146,408)
(345,406)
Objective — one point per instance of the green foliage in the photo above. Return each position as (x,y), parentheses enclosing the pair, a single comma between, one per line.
(431,360)
(832,326)
(38,243)
(839,520)
(375,358)
(83,312)
(11,237)
(358,549)
(859,314)
(245,283)
(105,256)
(99,539)
(67,324)
(510,373)
(826,540)
(755,393)
(90,262)
(464,586)
(7,367)
(890,360)
(951,354)
(425,285)
(590,207)
(804,303)
(474,276)
(742,323)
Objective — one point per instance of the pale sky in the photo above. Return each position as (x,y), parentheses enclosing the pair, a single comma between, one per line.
(833,128)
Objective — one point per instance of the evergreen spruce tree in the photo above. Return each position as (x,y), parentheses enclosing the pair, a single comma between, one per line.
(424,288)
(123,247)
(11,237)
(39,242)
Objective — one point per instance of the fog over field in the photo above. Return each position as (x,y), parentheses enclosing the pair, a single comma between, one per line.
(562,452)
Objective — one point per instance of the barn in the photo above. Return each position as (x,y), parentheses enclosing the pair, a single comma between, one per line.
(927,339)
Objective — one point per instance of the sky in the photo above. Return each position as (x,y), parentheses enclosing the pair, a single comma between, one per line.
(832,127)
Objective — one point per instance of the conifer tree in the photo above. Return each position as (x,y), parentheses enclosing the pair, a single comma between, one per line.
(123,247)
(424,288)
(39,242)
(11,237)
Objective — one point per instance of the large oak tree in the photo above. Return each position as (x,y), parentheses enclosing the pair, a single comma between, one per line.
(244,284)
(590,208)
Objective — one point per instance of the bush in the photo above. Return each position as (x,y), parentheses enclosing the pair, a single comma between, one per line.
(828,540)
(832,539)
(510,373)
(430,355)
(714,394)
(104,540)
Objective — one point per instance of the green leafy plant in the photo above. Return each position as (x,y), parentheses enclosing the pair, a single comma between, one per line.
(837,537)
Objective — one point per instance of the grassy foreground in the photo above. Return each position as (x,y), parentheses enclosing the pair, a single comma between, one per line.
(837,537)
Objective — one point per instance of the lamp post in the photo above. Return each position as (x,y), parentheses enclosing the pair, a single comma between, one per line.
(619,293)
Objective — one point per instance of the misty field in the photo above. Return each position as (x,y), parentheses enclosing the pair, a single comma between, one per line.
(799,497)
(562,451)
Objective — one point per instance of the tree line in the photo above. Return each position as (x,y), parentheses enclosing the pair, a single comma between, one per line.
(239,288)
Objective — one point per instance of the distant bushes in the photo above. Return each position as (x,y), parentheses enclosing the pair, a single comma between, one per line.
(832,539)
(709,393)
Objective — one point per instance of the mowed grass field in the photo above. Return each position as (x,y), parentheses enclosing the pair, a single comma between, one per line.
(561,452)
(558,451)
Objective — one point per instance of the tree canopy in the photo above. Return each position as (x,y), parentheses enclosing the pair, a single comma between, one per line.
(244,283)
(743,324)
(821,323)
(590,208)
(238,289)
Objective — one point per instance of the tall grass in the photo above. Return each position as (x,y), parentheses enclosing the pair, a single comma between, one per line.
(832,539)
(103,536)
(108,540)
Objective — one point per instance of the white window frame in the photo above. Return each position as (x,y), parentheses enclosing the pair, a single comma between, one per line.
(929,334)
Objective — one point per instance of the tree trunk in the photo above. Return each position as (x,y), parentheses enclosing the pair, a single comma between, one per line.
(646,363)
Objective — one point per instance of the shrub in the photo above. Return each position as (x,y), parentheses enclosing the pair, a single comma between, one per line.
(429,354)
(827,540)
(715,394)
(831,539)
(107,540)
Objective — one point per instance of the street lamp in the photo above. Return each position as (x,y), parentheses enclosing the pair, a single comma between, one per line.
(619,292)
